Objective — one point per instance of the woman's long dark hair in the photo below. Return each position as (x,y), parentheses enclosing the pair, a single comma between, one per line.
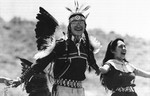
(109,55)
(111,47)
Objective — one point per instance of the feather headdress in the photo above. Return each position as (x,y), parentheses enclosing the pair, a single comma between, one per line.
(77,13)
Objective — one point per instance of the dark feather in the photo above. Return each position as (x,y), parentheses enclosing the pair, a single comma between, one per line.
(75,3)
(85,9)
(25,61)
(45,27)
(69,9)
(87,15)
(25,64)
(76,6)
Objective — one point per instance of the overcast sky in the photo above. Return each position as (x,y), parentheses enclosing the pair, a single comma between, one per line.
(130,17)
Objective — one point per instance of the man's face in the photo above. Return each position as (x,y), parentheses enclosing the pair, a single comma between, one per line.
(77,27)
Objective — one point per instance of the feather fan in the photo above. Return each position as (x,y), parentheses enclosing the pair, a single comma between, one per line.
(45,28)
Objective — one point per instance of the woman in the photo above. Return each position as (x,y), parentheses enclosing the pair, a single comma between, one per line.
(4,80)
(118,74)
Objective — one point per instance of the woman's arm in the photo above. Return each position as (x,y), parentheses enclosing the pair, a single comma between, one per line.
(104,69)
(2,79)
(5,80)
(142,73)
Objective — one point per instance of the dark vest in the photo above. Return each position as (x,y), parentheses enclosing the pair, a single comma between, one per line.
(115,79)
(70,64)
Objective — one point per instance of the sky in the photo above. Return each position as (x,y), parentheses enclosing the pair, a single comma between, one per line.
(131,17)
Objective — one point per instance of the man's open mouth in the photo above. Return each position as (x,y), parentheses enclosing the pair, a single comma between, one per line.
(123,53)
(78,28)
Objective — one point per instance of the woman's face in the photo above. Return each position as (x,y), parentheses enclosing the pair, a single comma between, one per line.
(120,51)
(77,27)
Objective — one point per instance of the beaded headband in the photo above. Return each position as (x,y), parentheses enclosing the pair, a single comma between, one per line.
(75,17)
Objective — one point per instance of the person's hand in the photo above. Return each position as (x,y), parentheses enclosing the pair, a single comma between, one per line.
(16,83)
(97,72)
(8,82)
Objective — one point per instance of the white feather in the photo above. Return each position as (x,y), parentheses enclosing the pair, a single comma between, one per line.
(51,44)
(95,43)
(60,34)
